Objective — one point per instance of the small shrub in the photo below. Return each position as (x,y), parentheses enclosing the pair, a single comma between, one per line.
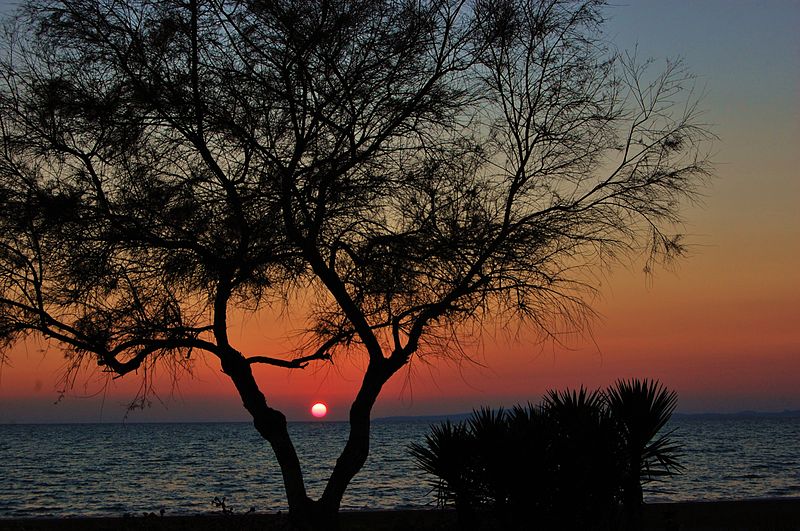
(448,455)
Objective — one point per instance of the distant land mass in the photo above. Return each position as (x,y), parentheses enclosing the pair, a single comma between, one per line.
(786,413)
(454,417)
(457,417)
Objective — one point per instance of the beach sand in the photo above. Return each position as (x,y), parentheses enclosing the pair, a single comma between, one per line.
(746,515)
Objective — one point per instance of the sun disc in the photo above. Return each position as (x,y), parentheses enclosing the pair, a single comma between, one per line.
(319,410)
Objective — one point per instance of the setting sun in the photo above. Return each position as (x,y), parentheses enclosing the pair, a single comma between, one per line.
(319,410)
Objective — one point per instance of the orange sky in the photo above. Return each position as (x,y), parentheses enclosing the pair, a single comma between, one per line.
(723,329)
(723,343)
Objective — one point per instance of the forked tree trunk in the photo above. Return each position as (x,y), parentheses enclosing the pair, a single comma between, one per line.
(306,514)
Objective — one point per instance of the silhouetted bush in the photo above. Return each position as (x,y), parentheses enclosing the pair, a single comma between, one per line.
(575,461)
(641,409)
(448,454)
(582,452)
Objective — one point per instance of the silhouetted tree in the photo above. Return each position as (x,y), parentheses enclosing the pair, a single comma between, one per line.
(415,165)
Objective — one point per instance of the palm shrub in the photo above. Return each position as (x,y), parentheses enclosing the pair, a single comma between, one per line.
(583,472)
(641,409)
(567,463)
(492,468)
(530,471)
(448,455)
(470,463)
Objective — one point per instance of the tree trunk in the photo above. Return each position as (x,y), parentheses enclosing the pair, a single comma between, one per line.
(356,449)
(271,425)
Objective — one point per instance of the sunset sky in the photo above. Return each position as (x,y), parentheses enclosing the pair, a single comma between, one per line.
(722,328)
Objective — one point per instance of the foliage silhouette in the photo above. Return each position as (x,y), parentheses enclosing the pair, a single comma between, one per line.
(583,447)
(409,170)
(448,454)
(642,408)
(530,470)
(490,434)
(567,463)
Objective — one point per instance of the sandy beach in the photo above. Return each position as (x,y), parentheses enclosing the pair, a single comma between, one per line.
(743,515)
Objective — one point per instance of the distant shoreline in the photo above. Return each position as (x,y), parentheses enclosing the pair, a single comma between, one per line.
(787,413)
(774,514)
(454,417)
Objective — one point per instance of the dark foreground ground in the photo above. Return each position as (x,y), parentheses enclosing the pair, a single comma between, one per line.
(750,515)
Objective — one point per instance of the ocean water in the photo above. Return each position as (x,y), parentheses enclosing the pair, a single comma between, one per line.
(118,469)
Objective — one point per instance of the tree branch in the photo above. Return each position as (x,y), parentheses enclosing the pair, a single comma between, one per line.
(322,353)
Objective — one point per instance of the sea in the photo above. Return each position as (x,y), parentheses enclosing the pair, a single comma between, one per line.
(70,470)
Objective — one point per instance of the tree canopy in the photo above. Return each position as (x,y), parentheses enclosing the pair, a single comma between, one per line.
(416,166)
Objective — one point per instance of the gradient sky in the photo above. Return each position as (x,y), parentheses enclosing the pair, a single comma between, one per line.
(723,328)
